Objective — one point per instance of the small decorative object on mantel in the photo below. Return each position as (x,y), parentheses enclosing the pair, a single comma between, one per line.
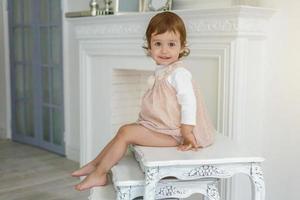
(125,6)
(109,7)
(108,10)
(155,5)
(95,9)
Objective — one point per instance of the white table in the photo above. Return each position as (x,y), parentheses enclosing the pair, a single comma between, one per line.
(223,159)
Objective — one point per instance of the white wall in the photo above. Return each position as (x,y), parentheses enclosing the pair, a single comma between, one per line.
(282,97)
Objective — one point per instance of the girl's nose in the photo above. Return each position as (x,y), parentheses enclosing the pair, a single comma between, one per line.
(164,49)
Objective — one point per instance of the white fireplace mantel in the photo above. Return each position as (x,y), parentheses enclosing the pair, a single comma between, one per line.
(227,57)
(234,21)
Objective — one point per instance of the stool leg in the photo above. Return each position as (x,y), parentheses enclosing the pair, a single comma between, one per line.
(212,192)
(123,193)
(258,184)
(152,178)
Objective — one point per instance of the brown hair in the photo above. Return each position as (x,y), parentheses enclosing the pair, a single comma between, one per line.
(167,22)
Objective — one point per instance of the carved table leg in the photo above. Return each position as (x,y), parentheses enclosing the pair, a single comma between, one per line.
(258,184)
(123,193)
(152,179)
(212,192)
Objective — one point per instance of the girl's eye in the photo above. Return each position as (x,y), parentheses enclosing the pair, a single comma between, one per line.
(157,44)
(172,44)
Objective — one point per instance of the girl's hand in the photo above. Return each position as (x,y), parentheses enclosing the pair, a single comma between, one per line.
(189,140)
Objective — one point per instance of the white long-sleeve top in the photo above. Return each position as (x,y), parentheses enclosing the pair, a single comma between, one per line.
(181,80)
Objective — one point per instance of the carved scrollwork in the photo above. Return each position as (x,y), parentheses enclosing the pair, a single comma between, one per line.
(151,174)
(170,191)
(205,171)
(213,192)
(226,25)
(123,193)
(257,176)
(219,25)
(109,29)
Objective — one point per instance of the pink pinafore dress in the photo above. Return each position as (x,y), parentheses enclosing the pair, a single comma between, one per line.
(160,111)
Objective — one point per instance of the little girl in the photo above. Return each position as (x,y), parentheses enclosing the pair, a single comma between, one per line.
(172,113)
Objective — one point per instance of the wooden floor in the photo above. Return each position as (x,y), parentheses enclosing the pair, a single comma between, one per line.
(28,173)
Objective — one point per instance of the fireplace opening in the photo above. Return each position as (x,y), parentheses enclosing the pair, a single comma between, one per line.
(128,87)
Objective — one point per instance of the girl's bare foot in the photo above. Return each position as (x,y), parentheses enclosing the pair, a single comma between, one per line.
(85,170)
(92,180)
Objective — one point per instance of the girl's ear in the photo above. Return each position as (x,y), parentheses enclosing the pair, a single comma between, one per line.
(182,49)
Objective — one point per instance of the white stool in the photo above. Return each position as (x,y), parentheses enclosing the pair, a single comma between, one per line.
(222,160)
(129,183)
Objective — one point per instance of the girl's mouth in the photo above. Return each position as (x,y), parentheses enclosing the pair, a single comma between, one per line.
(164,58)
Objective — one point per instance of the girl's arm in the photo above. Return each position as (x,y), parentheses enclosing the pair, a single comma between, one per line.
(189,140)
(181,80)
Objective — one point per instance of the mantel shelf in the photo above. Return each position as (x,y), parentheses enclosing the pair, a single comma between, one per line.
(233,21)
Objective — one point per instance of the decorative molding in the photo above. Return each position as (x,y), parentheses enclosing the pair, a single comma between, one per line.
(211,22)
(151,174)
(123,193)
(213,27)
(205,171)
(108,30)
(170,191)
(234,26)
(257,176)
(213,192)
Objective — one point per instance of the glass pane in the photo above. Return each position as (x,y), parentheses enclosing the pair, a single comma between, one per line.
(20,122)
(55,11)
(18,45)
(56,45)
(28,44)
(44,45)
(46,124)
(44,5)
(17,12)
(57,127)
(19,81)
(27,11)
(57,86)
(45,83)
(28,89)
(29,118)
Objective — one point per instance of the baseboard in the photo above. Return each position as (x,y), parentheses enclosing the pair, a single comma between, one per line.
(3,133)
(73,153)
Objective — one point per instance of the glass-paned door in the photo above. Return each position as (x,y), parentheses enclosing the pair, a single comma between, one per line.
(36,73)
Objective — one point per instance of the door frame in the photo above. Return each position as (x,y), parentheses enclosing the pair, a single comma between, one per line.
(72,146)
(5,28)
(37,140)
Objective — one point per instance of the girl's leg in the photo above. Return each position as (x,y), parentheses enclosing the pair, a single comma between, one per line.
(92,165)
(128,134)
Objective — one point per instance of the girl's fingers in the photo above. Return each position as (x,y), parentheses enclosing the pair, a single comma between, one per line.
(181,147)
(187,147)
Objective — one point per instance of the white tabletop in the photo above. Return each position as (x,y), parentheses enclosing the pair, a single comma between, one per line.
(223,151)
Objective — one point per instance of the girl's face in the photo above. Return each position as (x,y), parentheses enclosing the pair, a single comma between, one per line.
(165,48)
